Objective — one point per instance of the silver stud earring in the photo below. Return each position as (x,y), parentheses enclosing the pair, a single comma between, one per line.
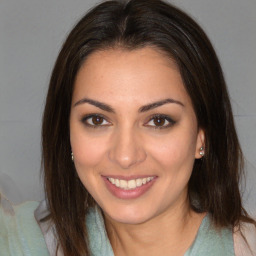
(72,156)
(201,151)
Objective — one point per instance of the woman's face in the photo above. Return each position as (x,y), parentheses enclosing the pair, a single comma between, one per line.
(133,133)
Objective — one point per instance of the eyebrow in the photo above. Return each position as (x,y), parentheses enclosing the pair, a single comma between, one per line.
(95,103)
(142,109)
(158,104)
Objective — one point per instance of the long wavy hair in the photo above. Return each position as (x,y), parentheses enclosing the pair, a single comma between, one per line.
(132,25)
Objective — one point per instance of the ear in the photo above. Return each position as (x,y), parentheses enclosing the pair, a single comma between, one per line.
(200,143)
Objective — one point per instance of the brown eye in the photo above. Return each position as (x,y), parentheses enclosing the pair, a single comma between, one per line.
(97,120)
(159,121)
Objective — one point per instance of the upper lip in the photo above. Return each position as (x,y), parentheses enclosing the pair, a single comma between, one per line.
(130,177)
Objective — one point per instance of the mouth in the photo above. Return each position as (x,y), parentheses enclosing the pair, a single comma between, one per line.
(130,184)
(129,187)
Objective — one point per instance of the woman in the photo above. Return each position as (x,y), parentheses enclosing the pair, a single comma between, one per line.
(140,152)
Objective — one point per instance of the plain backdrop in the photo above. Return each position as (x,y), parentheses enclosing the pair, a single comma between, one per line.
(31,34)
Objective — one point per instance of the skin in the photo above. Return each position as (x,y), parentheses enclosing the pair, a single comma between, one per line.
(129,142)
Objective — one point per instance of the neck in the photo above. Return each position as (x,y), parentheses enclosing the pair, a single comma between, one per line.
(169,233)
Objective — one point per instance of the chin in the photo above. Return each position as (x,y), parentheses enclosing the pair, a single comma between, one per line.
(129,215)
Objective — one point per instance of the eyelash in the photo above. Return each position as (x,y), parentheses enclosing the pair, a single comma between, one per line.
(170,121)
(85,119)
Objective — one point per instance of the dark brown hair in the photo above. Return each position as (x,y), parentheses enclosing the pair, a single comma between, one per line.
(131,25)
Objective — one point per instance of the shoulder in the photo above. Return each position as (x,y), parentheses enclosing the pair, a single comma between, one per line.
(212,241)
(245,240)
(19,231)
(98,239)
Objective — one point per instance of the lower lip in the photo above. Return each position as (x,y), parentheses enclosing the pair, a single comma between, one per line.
(128,194)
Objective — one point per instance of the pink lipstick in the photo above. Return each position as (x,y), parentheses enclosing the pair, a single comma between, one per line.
(128,187)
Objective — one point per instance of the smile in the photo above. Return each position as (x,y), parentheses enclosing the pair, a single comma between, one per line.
(129,187)
(130,184)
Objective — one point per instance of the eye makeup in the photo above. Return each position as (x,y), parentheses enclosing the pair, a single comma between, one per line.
(95,121)
(155,121)
(160,121)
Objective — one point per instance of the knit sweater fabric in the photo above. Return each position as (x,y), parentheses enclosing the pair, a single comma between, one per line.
(21,234)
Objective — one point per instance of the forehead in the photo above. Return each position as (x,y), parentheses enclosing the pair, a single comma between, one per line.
(133,76)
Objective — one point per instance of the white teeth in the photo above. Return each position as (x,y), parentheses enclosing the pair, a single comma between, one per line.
(138,182)
(123,184)
(131,184)
(117,183)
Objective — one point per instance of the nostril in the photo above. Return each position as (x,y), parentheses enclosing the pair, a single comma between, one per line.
(127,157)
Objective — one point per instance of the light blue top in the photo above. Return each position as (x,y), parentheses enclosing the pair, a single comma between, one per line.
(20,234)
(208,241)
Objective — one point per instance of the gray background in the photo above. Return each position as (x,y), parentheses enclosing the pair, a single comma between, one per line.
(31,34)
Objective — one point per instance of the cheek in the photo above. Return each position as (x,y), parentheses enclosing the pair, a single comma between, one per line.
(88,151)
(175,151)
(88,154)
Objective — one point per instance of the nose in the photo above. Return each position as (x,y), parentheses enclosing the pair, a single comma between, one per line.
(127,149)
